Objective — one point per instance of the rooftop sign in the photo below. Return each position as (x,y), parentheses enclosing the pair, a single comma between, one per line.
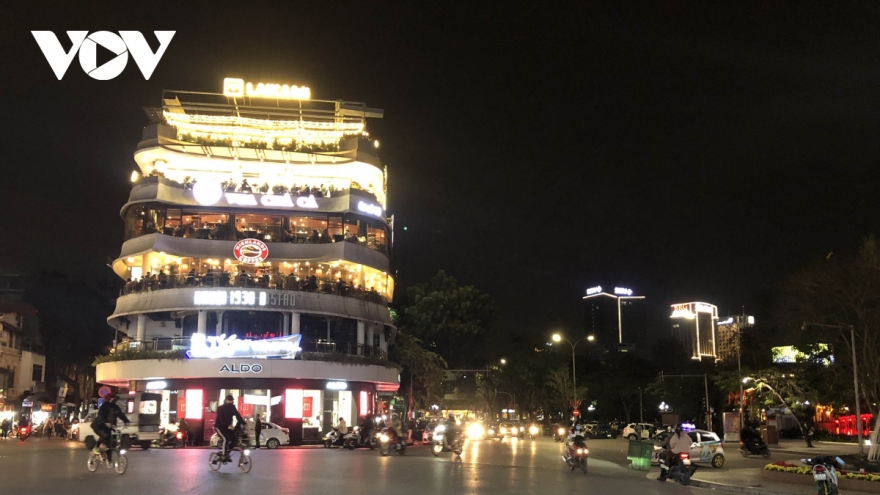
(622,291)
(594,290)
(237,88)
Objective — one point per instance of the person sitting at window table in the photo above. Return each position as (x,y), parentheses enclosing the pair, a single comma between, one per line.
(315,238)
(224,279)
(245,187)
(340,287)
(325,237)
(349,237)
(191,278)
(286,236)
(242,278)
(182,230)
(218,232)
(163,279)
(313,283)
(150,227)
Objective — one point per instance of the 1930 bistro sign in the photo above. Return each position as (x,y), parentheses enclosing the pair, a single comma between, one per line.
(241,368)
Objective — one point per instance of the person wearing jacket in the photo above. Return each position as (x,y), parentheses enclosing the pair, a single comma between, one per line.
(108,414)
(677,443)
(223,424)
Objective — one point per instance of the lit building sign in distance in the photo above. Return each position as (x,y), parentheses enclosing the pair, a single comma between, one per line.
(336,386)
(682,311)
(594,290)
(370,208)
(705,308)
(227,347)
(728,321)
(157,385)
(622,291)
(237,88)
(243,298)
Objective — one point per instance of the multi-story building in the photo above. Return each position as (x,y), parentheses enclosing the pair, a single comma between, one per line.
(257,247)
(616,319)
(22,361)
(729,332)
(693,324)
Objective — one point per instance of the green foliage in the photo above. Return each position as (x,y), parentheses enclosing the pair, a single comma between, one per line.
(560,389)
(137,354)
(784,467)
(423,366)
(448,318)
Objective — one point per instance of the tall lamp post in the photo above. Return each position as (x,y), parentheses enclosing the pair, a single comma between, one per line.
(852,344)
(759,383)
(559,338)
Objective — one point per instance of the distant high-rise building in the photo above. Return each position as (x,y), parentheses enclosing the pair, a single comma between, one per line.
(693,324)
(616,319)
(728,333)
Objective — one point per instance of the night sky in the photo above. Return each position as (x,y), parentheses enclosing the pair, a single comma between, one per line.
(688,151)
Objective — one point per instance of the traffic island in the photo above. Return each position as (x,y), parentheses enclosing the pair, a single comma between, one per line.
(783,472)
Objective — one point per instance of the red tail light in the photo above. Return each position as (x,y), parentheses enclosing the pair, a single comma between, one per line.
(819,469)
(683,455)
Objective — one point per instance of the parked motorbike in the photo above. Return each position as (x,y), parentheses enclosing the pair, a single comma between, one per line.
(681,469)
(333,439)
(576,453)
(754,446)
(173,437)
(355,441)
(24,432)
(443,442)
(389,440)
(825,473)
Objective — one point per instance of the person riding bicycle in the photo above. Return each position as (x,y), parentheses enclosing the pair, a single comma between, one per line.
(108,414)
(223,424)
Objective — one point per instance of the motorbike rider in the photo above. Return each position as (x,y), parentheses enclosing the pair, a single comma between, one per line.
(108,414)
(365,430)
(677,443)
(342,427)
(452,430)
(223,424)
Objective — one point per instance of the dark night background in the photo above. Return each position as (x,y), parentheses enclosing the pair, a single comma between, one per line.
(689,151)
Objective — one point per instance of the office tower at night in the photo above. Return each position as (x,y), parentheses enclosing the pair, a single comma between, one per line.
(616,318)
(693,324)
(729,340)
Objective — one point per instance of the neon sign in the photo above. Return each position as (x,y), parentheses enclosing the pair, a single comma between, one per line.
(243,298)
(237,88)
(705,308)
(369,208)
(241,368)
(336,386)
(228,347)
(621,291)
(594,290)
(157,385)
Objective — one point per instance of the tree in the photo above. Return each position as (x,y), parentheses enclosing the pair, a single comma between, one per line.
(73,325)
(448,318)
(560,390)
(422,370)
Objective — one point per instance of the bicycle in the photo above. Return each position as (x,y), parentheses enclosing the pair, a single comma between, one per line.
(217,459)
(114,457)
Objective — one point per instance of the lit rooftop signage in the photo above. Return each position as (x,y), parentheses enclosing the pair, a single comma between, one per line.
(622,291)
(235,297)
(231,347)
(594,290)
(237,88)
(370,208)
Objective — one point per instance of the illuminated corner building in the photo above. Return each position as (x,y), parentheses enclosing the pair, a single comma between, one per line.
(257,241)
(616,319)
(729,336)
(693,324)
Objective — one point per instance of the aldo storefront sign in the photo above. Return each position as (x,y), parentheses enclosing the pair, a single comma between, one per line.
(241,368)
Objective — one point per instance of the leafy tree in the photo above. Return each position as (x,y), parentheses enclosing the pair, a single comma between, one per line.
(559,390)
(73,324)
(449,318)
(422,374)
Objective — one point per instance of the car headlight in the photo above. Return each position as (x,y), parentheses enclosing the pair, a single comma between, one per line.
(514,431)
(440,428)
(475,431)
(491,432)
(503,430)
(562,431)
(580,451)
(438,436)
(533,430)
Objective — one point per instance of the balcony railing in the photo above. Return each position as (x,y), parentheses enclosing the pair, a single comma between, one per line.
(277,282)
(309,346)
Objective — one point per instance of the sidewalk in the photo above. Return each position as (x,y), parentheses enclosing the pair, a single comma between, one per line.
(787,445)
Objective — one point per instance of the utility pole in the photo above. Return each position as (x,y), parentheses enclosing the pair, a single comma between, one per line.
(641,407)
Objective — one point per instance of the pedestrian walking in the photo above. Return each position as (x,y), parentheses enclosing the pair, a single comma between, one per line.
(5,426)
(258,427)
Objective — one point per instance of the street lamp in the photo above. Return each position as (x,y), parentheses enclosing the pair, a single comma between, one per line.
(852,342)
(503,361)
(762,383)
(559,338)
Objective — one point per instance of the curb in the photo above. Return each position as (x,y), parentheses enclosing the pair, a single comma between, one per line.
(753,490)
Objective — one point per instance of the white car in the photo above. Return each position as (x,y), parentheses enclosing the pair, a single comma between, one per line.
(272,436)
(630,431)
(706,447)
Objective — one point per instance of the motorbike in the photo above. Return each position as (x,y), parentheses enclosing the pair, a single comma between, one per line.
(173,437)
(681,469)
(560,433)
(24,432)
(534,431)
(389,440)
(443,443)
(355,441)
(576,453)
(754,446)
(333,439)
(825,473)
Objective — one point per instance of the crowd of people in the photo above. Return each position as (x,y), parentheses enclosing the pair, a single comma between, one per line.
(51,427)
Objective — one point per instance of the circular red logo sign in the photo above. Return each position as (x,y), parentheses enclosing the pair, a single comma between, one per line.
(251,251)
(575,413)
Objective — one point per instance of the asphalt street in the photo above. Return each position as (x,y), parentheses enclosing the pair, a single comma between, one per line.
(485,467)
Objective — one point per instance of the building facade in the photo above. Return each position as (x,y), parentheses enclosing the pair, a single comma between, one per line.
(22,360)
(616,319)
(257,247)
(694,325)
(729,336)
